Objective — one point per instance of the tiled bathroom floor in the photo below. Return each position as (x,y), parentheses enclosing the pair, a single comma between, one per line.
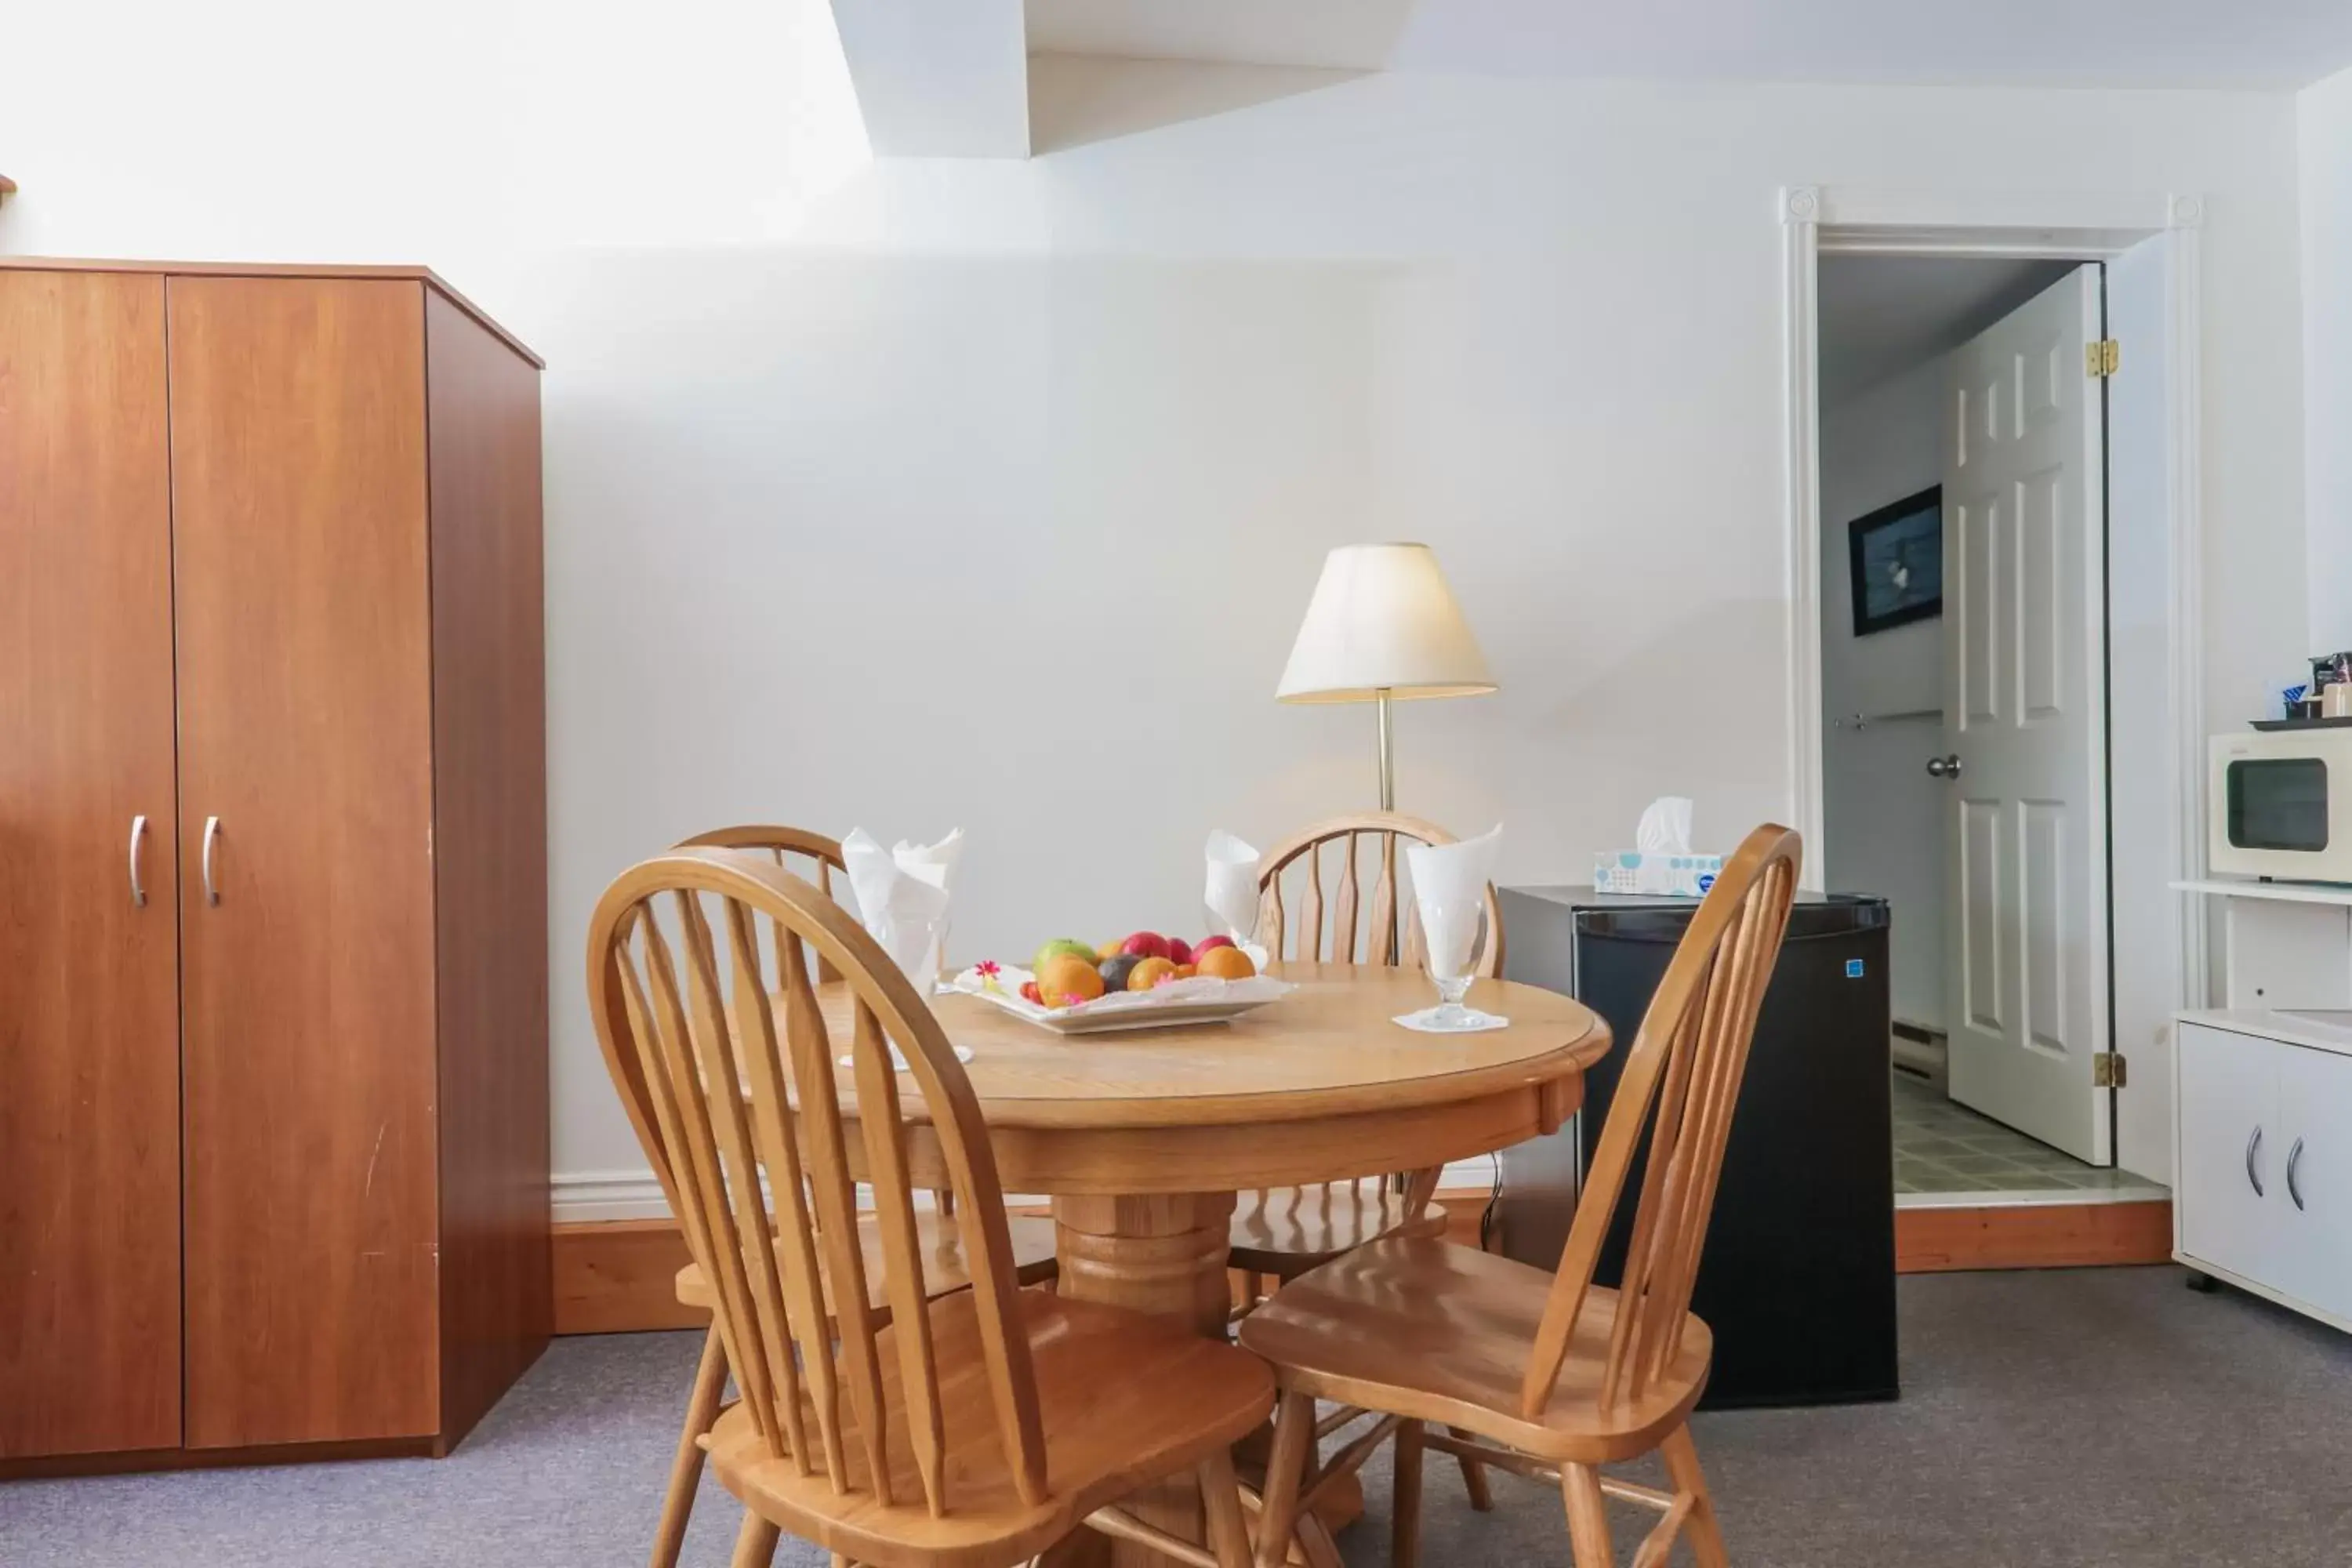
(1943,1147)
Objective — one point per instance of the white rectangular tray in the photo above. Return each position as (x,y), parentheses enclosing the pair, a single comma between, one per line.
(1201,1000)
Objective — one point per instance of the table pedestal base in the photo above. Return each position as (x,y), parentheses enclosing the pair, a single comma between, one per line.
(1166,1256)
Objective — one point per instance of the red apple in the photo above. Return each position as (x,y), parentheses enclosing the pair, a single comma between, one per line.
(1145,945)
(1179,950)
(1206,942)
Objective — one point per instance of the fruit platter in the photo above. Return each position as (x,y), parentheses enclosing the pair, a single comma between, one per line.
(1146,981)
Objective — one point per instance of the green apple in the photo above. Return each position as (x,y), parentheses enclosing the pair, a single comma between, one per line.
(1060,946)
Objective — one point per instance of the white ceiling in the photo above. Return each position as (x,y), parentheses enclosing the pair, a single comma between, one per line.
(1882,315)
(939,77)
(2122,43)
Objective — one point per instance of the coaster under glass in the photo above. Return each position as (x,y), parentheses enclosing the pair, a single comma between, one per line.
(1452,1020)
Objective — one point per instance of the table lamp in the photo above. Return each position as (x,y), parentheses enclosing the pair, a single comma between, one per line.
(1382,626)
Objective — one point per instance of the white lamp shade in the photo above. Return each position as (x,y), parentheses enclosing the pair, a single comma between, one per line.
(1382,619)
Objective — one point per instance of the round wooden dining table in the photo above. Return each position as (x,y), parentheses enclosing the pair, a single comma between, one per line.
(1143,1138)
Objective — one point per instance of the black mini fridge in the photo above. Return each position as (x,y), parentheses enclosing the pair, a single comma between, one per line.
(1798,1276)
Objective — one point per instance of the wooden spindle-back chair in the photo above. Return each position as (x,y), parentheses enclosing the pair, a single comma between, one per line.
(974,1428)
(1280,1233)
(1566,1374)
(818,859)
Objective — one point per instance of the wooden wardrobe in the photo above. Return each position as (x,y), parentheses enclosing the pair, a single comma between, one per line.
(273,865)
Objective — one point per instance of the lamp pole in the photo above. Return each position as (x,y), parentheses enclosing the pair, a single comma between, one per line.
(1388,755)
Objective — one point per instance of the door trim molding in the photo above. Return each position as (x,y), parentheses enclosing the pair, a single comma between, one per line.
(2089,226)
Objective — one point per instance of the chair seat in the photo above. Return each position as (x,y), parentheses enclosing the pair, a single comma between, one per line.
(1437,1333)
(941,1240)
(1285,1231)
(1122,1399)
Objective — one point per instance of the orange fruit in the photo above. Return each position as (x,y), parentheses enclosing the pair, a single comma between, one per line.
(1149,973)
(1067,979)
(1111,949)
(1185,972)
(1227,963)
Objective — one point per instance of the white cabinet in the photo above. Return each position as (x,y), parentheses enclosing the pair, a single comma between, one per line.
(2314,1240)
(2228,1134)
(2264,1191)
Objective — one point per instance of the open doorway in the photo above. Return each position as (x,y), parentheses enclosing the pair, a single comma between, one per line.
(1967,454)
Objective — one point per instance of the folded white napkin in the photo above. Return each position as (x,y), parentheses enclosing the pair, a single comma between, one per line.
(904,906)
(934,863)
(1231,895)
(1449,887)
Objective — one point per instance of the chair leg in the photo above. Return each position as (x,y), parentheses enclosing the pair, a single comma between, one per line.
(1588,1517)
(1704,1530)
(685,1468)
(1404,1539)
(1221,1499)
(1285,1468)
(1473,1478)
(755,1544)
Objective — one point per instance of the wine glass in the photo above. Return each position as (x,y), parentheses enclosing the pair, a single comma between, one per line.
(1450,939)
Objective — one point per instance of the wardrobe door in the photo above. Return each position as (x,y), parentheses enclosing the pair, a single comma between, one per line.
(90,1079)
(299,516)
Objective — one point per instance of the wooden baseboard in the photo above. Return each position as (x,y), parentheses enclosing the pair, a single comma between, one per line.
(2033,1236)
(134,1460)
(614,1276)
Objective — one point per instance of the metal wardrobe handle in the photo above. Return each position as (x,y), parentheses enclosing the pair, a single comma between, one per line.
(212,836)
(138,836)
(2254,1145)
(2294,1156)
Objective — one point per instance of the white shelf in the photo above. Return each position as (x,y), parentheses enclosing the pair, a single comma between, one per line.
(2326,1029)
(2284,892)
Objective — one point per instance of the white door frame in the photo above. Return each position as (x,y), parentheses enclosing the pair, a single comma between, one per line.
(1851,220)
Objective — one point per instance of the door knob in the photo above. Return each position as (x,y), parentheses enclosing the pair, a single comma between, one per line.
(1944,767)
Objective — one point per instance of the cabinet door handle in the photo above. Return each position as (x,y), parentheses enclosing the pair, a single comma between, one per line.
(2254,1178)
(2293,1155)
(212,891)
(138,837)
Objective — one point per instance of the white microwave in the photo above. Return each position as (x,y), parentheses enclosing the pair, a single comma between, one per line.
(2280,804)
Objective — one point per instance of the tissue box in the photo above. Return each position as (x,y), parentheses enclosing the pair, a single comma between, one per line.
(1672,876)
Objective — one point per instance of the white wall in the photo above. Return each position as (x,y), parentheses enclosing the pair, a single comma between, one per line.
(1882,814)
(2324,118)
(917,494)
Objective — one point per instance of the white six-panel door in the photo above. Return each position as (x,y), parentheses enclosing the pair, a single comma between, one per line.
(2025,694)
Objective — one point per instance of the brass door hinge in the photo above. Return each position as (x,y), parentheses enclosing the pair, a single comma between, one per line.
(2108,1070)
(2103,358)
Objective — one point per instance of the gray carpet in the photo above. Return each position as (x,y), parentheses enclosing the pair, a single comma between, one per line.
(2094,1417)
